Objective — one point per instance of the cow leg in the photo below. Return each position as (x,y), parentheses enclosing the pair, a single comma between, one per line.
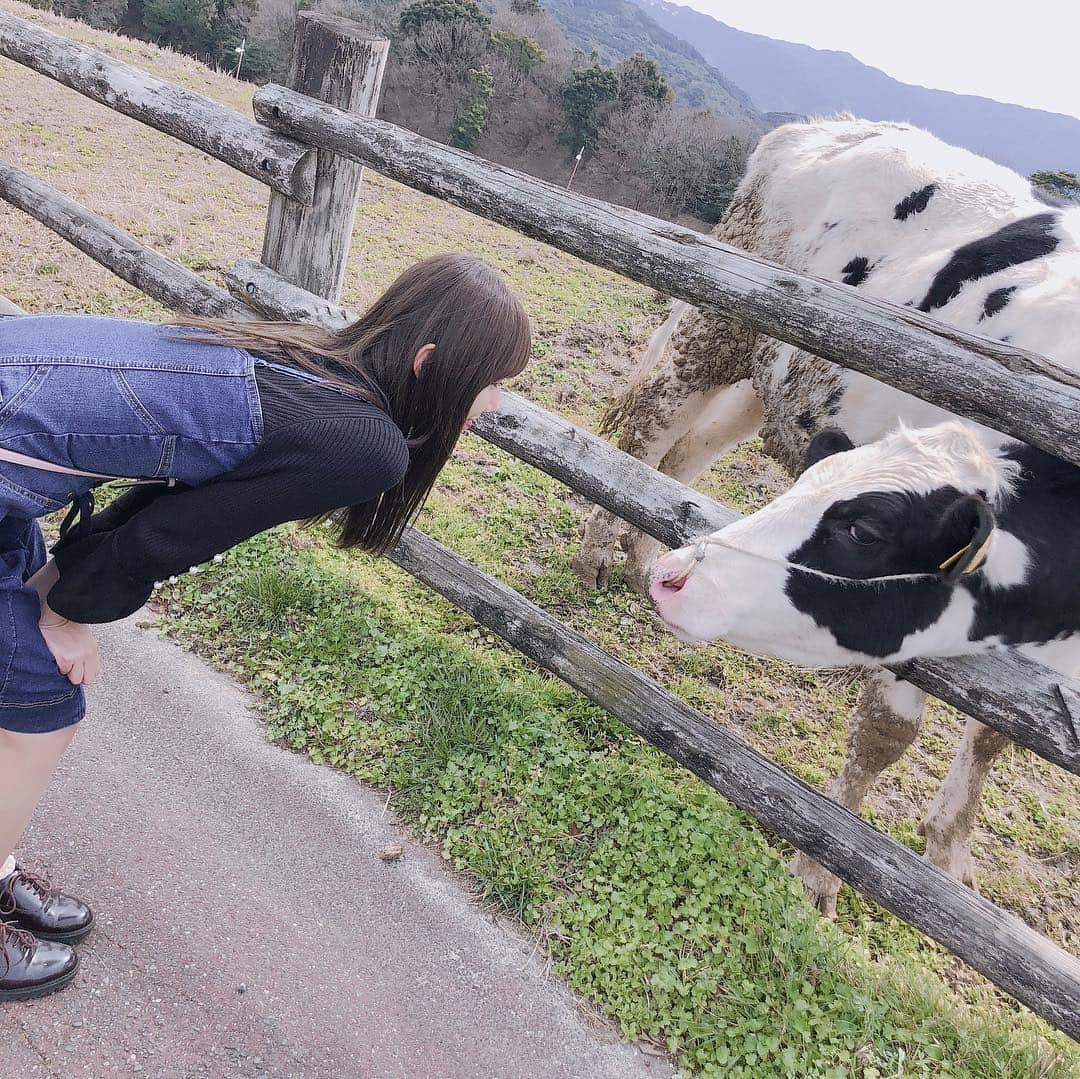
(595,556)
(887,719)
(690,359)
(729,417)
(646,414)
(950,821)
(603,530)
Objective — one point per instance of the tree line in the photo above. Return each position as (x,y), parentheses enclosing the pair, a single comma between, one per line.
(503,82)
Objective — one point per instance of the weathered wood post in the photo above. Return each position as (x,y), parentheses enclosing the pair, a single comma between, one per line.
(335,61)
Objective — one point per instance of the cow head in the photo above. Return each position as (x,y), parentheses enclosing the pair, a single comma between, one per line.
(887,533)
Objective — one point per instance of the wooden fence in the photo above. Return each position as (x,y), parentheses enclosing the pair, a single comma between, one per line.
(1006,388)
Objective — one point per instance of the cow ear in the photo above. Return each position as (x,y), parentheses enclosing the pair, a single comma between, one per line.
(825,444)
(965,532)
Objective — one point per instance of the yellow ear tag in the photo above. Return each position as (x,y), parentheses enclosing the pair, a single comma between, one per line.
(980,555)
(976,562)
(954,558)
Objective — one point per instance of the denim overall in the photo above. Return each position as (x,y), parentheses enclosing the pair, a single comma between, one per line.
(105,395)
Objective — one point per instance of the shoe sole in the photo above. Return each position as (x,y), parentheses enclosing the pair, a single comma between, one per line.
(72,936)
(32,992)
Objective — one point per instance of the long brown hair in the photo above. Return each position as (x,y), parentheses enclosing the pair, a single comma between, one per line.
(481,335)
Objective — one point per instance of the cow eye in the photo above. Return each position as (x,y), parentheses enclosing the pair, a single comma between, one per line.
(862,535)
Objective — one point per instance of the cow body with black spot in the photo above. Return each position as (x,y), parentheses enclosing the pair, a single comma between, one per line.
(896,213)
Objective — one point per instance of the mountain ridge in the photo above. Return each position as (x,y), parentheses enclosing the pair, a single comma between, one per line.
(790,78)
(617,29)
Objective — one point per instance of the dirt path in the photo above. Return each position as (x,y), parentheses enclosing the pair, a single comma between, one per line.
(246,925)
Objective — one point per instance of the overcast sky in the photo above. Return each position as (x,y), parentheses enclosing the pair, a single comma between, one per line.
(1022,52)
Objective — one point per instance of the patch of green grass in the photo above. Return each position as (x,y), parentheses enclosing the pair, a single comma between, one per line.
(272,597)
(40,134)
(656,899)
(196,261)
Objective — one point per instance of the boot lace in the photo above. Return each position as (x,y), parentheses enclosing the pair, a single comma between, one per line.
(11,934)
(36,881)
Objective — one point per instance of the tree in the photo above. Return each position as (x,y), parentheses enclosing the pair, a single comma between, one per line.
(473,118)
(437,64)
(641,80)
(229,21)
(102,14)
(271,32)
(527,7)
(1065,185)
(183,24)
(692,162)
(521,55)
(420,14)
(584,95)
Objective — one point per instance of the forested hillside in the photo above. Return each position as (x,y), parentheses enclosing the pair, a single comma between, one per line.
(504,80)
(617,29)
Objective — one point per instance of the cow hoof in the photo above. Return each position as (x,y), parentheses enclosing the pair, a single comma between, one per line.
(954,860)
(949,851)
(822,887)
(593,567)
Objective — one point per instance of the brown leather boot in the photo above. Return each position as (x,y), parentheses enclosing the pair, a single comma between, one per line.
(30,967)
(32,903)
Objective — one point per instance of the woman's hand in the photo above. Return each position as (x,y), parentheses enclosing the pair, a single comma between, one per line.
(73,647)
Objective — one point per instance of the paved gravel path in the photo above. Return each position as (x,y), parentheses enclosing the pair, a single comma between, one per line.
(246,925)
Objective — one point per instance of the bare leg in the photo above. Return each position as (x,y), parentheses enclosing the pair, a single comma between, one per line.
(27,763)
(886,721)
(949,824)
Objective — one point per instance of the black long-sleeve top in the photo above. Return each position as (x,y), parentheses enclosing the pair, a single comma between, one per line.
(321,450)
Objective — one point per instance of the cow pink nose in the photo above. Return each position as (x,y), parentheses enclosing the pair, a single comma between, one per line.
(667,579)
(675,584)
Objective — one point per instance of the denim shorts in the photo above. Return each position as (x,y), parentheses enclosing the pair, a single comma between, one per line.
(106,395)
(35,697)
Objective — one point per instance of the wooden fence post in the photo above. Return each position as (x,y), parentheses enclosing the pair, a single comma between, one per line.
(335,61)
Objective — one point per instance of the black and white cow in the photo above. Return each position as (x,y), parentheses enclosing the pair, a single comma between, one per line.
(856,563)
(911,533)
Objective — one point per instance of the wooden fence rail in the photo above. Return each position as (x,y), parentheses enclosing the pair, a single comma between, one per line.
(1006,388)
(285,165)
(1009,952)
(994,942)
(1032,704)
(165,280)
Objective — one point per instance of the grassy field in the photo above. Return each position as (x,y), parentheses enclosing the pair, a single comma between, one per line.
(662,905)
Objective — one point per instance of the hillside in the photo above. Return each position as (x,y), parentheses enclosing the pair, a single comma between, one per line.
(617,29)
(503,79)
(781,76)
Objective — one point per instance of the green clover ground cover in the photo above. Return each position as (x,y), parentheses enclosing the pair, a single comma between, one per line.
(657,900)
